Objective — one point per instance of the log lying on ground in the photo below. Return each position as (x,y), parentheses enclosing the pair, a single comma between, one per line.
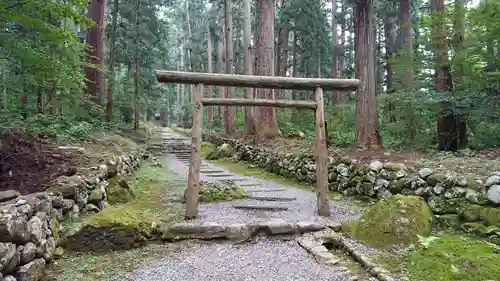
(252,81)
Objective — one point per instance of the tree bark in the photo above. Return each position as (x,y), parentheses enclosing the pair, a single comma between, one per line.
(210,109)
(458,39)
(451,129)
(367,127)
(268,127)
(220,69)
(4,88)
(247,65)
(336,95)
(406,41)
(137,67)
(230,113)
(390,50)
(109,105)
(95,77)
(183,68)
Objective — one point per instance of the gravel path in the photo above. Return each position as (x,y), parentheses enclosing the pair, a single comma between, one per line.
(303,208)
(269,259)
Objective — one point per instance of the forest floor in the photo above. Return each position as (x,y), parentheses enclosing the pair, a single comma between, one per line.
(28,162)
(466,162)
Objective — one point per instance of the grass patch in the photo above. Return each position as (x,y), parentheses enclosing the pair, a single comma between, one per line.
(131,224)
(108,266)
(449,258)
(245,169)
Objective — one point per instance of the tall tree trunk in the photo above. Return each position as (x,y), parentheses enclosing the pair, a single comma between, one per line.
(458,39)
(109,106)
(268,127)
(341,52)
(95,77)
(451,130)
(220,69)
(210,109)
(406,52)
(137,67)
(247,65)
(390,51)
(4,86)
(39,100)
(178,88)
(189,53)
(367,127)
(336,95)
(230,115)
(282,53)
(183,68)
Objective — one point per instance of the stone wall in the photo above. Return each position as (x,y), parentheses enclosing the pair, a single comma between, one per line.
(29,224)
(456,200)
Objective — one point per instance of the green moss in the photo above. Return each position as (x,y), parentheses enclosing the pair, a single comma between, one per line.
(394,220)
(472,213)
(131,224)
(221,152)
(219,191)
(206,148)
(54,227)
(245,169)
(119,191)
(451,258)
(491,216)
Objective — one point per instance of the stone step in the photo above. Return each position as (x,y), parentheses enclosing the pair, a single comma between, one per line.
(271,198)
(259,207)
(220,175)
(266,190)
(238,231)
(211,171)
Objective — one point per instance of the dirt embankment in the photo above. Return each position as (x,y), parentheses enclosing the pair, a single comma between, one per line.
(29,163)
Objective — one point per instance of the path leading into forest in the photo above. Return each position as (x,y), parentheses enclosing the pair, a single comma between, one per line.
(263,259)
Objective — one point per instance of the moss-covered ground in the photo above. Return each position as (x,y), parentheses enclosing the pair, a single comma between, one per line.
(449,257)
(122,223)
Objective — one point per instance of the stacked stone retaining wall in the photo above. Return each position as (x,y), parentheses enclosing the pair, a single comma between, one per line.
(29,224)
(469,202)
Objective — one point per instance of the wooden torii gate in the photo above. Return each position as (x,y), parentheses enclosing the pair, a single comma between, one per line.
(269,82)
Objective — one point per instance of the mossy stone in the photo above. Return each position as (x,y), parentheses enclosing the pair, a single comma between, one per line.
(435,178)
(119,191)
(219,191)
(114,228)
(491,216)
(442,206)
(54,227)
(223,151)
(394,220)
(472,213)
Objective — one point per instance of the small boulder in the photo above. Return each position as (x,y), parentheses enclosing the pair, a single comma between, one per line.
(29,252)
(394,220)
(119,191)
(7,253)
(14,228)
(8,195)
(32,271)
(223,151)
(494,194)
(219,191)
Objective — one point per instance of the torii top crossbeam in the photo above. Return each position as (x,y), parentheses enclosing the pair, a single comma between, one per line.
(253,81)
